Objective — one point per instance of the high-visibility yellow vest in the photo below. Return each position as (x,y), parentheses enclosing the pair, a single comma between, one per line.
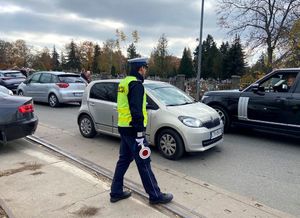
(124,115)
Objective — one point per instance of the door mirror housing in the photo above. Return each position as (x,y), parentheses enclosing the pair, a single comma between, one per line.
(26,81)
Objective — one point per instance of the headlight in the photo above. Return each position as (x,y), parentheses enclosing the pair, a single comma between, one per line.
(10,92)
(190,121)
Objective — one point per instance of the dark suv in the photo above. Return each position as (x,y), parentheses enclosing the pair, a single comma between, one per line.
(11,79)
(271,103)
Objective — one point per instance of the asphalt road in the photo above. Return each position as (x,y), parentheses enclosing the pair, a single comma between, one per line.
(261,166)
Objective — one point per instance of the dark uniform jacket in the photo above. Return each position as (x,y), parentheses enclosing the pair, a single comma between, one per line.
(135,100)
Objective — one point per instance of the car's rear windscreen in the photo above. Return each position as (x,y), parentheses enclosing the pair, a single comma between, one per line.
(14,74)
(70,79)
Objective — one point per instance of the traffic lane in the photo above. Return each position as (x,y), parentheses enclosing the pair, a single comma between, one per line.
(63,117)
(258,165)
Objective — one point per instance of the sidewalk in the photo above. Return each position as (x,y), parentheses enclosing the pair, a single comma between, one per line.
(34,183)
(58,188)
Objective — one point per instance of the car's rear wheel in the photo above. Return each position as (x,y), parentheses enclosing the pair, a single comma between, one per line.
(53,100)
(224,116)
(86,126)
(170,144)
(20,92)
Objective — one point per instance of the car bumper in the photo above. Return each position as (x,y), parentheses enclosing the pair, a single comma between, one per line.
(200,139)
(70,97)
(18,130)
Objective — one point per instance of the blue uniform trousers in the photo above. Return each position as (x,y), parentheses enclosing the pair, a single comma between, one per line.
(129,150)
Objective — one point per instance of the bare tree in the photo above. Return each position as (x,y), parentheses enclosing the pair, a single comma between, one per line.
(264,23)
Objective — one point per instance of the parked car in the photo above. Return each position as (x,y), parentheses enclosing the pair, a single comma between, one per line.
(5,90)
(11,79)
(53,87)
(17,118)
(176,123)
(271,103)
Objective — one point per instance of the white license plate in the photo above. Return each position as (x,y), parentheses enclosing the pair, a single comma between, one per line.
(216,133)
(78,94)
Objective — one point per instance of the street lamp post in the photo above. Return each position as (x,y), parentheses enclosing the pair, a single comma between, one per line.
(200,54)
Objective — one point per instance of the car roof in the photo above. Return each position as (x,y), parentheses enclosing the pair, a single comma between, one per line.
(287,69)
(10,71)
(118,80)
(58,73)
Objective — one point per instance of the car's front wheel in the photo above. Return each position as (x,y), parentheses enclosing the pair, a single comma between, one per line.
(170,144)
(86,126)
(224,116)
(53,100)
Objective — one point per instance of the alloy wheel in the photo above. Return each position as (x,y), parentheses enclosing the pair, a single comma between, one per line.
(168,144)
(86,126)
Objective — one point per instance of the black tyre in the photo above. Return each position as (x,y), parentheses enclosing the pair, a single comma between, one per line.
(170,144)
(20,92)
(53,100)
(224,116)
(86,126)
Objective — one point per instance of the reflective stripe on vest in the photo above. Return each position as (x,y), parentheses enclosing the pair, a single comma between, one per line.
(124,115)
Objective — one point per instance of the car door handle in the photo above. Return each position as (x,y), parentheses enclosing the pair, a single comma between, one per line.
(92,104)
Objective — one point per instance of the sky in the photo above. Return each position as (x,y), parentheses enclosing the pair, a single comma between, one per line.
(44,23)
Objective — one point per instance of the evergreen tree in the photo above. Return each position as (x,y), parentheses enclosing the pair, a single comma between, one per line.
(224,50)
(96,60)
(236,58)
(73,62)
(186,64)
(54,60)
(131,52)
(63,61)
(160,65)
(210,59)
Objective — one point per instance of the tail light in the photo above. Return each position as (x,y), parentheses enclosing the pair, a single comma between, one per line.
(62,85)
(26,108)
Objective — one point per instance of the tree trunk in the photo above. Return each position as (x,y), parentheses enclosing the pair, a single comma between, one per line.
(270,59)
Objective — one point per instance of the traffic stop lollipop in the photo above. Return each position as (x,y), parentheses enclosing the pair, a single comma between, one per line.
(144,152)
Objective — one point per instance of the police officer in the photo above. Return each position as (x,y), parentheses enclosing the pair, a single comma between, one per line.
(132,121)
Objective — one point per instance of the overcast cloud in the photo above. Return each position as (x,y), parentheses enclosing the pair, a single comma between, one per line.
(47,22)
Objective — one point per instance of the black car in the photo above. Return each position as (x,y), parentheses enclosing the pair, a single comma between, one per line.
(17,119)
(11,79)
(271,103)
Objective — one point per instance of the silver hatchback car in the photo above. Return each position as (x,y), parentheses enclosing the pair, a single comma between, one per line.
(176,123)
(53,87)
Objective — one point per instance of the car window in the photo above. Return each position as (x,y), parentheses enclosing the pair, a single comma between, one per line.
(168,94)
(46,78)
(35,78)
(297,90)
(54,78)
(14,74)
(106,91)
(70,79)
(279,82)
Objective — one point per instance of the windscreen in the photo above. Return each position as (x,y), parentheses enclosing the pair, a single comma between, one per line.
(168,94)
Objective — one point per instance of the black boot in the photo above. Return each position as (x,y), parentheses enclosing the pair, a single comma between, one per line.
(126,194)
(165,198)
